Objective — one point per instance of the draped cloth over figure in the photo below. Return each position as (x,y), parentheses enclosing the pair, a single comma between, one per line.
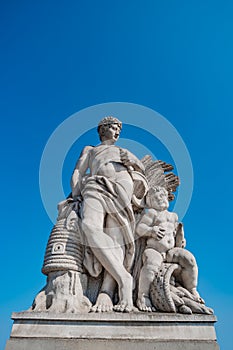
(116,203)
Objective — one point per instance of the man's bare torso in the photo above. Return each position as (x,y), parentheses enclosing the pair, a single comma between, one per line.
(105,160)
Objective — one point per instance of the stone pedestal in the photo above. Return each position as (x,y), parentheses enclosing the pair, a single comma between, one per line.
(131,331)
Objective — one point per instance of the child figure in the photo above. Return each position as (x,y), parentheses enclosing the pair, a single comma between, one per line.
(165,243)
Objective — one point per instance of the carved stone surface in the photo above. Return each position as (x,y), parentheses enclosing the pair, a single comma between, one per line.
(112,331)
(64,250)
(92,257)
(116,248)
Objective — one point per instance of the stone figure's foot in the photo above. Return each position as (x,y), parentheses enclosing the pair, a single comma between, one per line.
(196,296)
(103,303)
(144,304)
(125,296)
(123,306)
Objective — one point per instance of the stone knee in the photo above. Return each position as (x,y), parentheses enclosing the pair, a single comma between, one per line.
(182,257)
(152,260)
(189,271)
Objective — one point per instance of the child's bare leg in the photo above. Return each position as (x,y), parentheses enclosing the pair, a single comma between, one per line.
(189,271)
(152,260)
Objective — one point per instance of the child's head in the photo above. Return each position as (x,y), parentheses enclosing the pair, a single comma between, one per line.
(157,198)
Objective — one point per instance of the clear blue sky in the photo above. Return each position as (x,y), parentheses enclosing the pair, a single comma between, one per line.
(58,57)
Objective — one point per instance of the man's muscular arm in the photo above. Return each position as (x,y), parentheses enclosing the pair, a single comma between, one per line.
(79,171)
(130,160)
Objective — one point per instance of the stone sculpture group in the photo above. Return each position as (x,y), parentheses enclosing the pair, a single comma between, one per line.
(115,246)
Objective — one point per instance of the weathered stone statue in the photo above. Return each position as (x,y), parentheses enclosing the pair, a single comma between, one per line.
(165,242)
(107,218)
(118,273)
(115,245)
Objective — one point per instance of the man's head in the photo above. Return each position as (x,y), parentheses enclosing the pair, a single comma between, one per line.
(157,198)
(109,128)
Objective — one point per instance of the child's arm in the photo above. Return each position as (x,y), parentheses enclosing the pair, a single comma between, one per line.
(144,226)
(180,241)
(146,229)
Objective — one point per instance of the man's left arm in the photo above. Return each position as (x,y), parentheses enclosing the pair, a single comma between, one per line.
(130,160)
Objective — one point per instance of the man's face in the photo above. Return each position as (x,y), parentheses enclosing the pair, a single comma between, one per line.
(112,132)
(159,200)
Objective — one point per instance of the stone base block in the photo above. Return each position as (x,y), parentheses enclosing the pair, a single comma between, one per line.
(132,331)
